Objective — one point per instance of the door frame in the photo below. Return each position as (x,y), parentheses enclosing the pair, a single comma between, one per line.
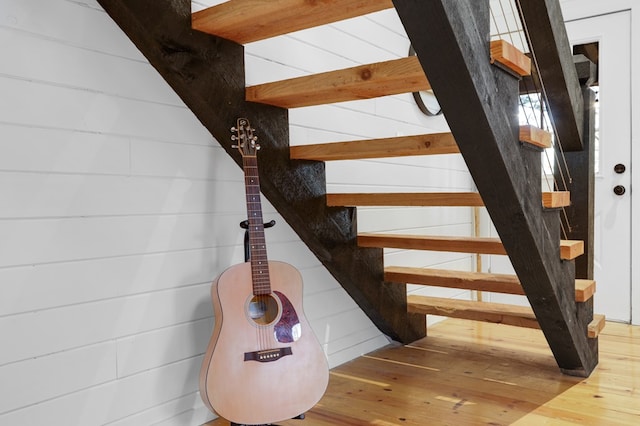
(581,9)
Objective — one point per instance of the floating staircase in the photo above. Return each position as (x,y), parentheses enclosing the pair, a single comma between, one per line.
(201,56)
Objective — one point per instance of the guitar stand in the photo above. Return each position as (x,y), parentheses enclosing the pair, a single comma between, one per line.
(247,255)
(300,417)
(245,225)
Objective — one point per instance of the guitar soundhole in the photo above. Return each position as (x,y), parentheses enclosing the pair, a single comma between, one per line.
(263,309)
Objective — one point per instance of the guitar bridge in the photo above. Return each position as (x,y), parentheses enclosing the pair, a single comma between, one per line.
(268,355)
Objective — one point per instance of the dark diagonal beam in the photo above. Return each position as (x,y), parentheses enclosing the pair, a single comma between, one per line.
(451,38)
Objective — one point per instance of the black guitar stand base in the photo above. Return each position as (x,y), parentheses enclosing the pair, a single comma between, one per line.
(300,417)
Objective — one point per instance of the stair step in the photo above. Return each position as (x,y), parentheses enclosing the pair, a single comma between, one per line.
(535,136)
(511,57)
(401,146)
(434,243)
(499,313)
(585,289)
(556,199)
(521,316)
(497,283)
(429,144)
(430,199)
(479,281)
(403,75)
(596,326)
(245,21)
(569,249)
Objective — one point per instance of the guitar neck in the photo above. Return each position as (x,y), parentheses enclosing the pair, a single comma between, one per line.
(257,244)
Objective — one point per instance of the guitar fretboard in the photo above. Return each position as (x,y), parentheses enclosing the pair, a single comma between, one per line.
(259,264)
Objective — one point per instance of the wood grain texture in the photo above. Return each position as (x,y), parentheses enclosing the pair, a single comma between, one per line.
(468,373)
(499,313)
(585,289)
(463,199)
(511,57)
(479,281)
(499,283)
(556,199)
(403,75)
(245,21)
(484,245)
(569,249)
(535,136)
(440,199)
(596,326)
(429,144)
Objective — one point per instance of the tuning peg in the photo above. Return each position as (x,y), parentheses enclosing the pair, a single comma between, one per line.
(233,129)
(235,146)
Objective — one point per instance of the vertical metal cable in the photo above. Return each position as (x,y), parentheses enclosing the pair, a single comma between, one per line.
(562,180)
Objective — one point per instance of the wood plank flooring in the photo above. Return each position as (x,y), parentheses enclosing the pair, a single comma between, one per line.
(468,373)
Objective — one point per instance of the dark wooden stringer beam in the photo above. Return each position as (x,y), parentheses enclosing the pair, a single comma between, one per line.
(552,53)
(451,38)
(577,173)
(208,74)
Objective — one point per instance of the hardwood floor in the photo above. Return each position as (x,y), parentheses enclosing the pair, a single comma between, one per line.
(469,373)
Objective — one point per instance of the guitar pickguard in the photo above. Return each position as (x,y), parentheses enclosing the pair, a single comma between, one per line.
(288,328)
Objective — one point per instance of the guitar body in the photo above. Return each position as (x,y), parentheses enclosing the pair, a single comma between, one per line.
(261,367)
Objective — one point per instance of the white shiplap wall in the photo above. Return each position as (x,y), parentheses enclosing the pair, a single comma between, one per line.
(117,209)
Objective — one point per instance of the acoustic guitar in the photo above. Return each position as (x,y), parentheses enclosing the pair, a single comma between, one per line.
(263,363)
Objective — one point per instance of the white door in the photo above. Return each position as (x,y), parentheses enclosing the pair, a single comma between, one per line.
(612,210)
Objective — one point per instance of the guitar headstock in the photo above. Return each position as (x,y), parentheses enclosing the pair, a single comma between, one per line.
(245,139)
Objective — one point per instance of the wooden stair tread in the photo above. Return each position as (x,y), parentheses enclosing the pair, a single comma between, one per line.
(466,199)
(245,21)
(569,249)
(585,289)
(500,313)
(535,136)
(596,326)
(521,316)
(428,144)
(498,283)
(479,281)
(482,245)
(403,75)
(430,199)
(510,57)
(556,199)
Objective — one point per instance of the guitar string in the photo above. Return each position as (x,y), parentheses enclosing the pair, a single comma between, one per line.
(258,251)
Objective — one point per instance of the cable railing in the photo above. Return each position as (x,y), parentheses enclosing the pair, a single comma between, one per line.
(507,24)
